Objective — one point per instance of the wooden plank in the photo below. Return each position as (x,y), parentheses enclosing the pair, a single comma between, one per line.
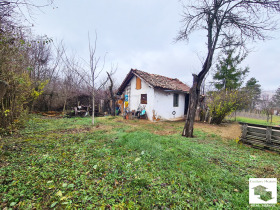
(259,126)
(276,142)
(259,143)
(275,132)
(254,142)
(257,134)
(257,130)
(275,138)
(256,137)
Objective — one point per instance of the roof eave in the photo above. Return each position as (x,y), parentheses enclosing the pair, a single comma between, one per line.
(171,90)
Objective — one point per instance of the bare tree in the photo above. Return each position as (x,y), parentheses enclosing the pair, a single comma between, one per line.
(227,23)
(90,72)
(95,71)
(266,105)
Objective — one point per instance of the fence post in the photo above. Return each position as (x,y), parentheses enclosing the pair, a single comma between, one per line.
(268,134)
(244,131)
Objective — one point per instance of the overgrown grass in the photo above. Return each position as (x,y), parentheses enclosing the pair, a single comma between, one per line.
(67,163)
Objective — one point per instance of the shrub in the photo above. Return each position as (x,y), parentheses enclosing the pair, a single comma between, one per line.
(223,103)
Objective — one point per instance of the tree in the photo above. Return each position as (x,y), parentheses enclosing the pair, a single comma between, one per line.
(276,98)
(222,103)
(111,90)
(254,91)
(266,106)
(95,71)
(228,76)
(90,73)
(227,23)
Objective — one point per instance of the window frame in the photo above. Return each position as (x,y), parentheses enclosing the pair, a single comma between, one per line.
(144,99)
(175,100)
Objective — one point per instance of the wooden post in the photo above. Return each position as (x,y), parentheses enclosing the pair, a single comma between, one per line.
(268,134)
(244,131)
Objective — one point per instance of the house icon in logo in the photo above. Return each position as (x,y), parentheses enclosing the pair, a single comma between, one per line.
(262,192)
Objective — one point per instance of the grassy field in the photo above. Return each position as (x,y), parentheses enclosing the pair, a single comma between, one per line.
(275,120)
(117,164)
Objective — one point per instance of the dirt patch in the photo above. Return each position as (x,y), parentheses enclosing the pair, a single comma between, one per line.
(165,132)
(75,130)
(227,130)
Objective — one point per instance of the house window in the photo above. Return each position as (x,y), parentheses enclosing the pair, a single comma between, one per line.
(175,100)
(138,83)
(143,98)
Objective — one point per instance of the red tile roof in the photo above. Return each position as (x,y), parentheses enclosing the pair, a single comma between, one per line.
(157,81)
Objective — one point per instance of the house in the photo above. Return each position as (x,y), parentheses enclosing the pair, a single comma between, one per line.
(162,98)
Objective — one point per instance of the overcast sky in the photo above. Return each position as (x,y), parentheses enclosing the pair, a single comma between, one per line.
(140,34)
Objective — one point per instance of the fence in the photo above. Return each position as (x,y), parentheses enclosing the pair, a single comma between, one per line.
(264,137)
(254,114)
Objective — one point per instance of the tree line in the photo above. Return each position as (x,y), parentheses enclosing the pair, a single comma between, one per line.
(37,74)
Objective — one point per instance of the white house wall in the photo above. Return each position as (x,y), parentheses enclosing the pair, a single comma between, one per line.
(134,96)
(163,105)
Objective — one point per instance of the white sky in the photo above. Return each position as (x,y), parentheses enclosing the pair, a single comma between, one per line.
(140,34)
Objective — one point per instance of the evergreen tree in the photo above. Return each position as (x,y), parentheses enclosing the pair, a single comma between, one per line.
(276,98)
(228,76)
(254,91)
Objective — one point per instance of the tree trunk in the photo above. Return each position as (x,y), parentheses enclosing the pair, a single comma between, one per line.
(113,98)
(194,97)
(64,105)
(195,93)
(113,106)
(93,107)
(3,88)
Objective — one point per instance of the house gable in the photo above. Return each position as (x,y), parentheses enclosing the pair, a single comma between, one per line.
(154,80)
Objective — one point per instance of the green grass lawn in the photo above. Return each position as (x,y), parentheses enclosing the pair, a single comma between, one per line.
(275,120)
(117,164)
